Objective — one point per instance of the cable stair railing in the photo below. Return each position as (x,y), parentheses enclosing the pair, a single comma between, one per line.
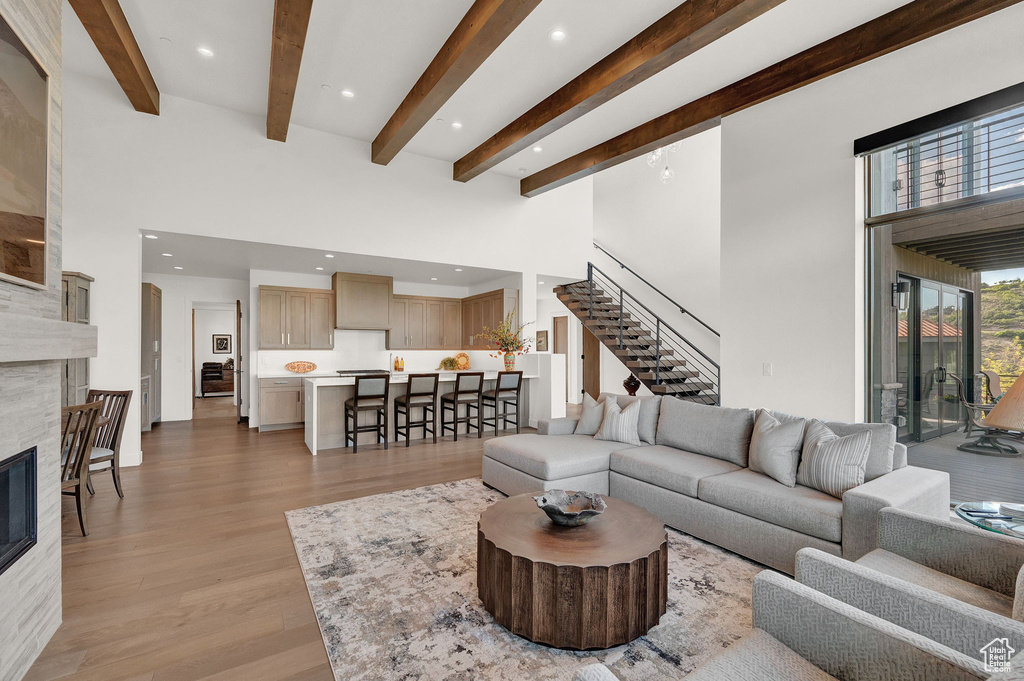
(660,357)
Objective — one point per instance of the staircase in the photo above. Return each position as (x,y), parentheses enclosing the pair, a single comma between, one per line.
(659,356)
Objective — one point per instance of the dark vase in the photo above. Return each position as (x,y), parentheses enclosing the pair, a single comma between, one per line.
(631,384)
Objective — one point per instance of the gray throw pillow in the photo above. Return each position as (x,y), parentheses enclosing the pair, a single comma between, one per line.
(718,432)
(619,425)
(775,447)
(592,415)
(830,463)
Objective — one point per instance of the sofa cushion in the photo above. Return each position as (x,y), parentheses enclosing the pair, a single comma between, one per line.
(650,407)
(619,424)
(895,565)
(551,457)
(720,432)
(775,447)
(758,656)
(591,415)
(799,508)
(672,469)
(882,458)
(831,463)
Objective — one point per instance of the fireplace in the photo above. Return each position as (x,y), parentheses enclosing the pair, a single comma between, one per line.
(17,507)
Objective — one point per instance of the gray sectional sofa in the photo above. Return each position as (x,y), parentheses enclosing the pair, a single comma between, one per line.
(691,471)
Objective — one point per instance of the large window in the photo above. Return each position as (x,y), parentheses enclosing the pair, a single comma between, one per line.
(976,157)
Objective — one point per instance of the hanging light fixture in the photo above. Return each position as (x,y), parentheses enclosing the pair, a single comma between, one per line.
(654,158)
(659,159)
(666,175)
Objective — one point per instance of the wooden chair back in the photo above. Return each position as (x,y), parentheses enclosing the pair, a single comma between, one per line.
(992,385)
(469,383)
(509,380)
(372,387)
(115,408)
(78,432)
(422,385)
(1008,414)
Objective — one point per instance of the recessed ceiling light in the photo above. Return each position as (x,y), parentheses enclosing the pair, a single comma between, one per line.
(167,255)
(348,93)
(178,268)
(152,236)
(319,268)
(205,51)
(456,125)
(537,150)
(522,170)
(557,34)
(325,86)
(540,283)
(458,269)
(166,40)
(439,120)
(328,255)
(433,279)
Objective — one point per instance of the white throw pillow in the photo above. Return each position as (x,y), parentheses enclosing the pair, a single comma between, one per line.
(591,416)
(620,425)
(833,464)
(775,447)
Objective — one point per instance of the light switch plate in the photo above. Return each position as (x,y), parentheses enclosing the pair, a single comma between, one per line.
(766,368)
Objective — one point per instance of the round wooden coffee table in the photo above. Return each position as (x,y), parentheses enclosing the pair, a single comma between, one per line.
(595,586)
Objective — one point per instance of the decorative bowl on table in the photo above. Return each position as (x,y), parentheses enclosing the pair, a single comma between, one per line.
(571,509)
(300,367)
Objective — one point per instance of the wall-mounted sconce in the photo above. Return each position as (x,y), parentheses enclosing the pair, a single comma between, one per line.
(901,295)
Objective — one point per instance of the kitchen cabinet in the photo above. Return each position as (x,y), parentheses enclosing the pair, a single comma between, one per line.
(152,351)
(282,401)
(425,323)
(74,378)
(295,318)
(487,310)
(363,300)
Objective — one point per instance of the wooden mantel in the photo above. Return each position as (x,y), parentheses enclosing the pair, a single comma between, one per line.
(36,339)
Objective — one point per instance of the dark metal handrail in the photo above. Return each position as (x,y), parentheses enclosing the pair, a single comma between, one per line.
(656,289)
(594,268)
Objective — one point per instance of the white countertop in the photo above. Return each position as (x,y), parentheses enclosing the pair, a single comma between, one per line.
(396,378)
(292,374)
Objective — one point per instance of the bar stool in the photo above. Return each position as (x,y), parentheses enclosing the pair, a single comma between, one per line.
(469,387)
(371,395)
(422,392)
(507,390)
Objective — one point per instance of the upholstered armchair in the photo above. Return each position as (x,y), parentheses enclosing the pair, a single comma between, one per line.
(801,634)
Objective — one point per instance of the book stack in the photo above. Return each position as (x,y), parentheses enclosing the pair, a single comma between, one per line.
(1015,511)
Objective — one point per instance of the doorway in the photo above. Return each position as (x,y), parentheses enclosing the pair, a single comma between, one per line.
(934,339)
(591,363)
(560,345)
(215,349)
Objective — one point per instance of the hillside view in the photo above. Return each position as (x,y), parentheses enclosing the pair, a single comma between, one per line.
(1002,328)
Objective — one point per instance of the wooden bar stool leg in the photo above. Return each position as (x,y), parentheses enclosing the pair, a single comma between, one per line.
(384,431)
(455,420)
(480,419)
(433,418)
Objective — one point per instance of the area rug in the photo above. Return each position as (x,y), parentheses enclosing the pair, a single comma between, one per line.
(392,579)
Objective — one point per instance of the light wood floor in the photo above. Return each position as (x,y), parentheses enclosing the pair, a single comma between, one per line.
(193,575)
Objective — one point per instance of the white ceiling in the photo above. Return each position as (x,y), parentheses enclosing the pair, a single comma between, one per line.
(201,256)
(378,49)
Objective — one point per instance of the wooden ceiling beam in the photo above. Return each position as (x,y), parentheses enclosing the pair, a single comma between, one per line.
(485,26)
(906,25)
(106,24)
(687,28)
(291,19)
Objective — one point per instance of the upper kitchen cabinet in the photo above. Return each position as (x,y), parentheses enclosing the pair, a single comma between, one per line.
(487,309)
(295,318)
(363,300)
(425,323)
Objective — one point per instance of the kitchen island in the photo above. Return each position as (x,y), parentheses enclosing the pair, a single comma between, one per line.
(325,407)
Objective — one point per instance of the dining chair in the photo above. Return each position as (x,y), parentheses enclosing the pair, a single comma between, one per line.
(78,432)
(371,394)
(421,392)
(106,453)
(468,391)
(507,391)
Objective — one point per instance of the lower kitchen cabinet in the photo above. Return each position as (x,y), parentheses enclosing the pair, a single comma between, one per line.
(282,402)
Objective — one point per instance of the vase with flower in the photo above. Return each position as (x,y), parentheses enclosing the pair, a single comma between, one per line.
(507,339)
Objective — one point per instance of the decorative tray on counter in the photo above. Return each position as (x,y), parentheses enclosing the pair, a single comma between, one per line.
(300,367)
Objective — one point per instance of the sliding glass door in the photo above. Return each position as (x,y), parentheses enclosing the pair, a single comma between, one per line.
(930,345)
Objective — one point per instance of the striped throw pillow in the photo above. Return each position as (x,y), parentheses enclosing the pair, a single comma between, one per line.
(620,424)
(833,464)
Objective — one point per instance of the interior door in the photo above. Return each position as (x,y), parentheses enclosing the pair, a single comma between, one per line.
(591,364)
(560,345)
(238,360)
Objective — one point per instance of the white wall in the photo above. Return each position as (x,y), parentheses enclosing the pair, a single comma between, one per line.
(199,169)
(671,235)
(792,204)
(179,295)
(209,322)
